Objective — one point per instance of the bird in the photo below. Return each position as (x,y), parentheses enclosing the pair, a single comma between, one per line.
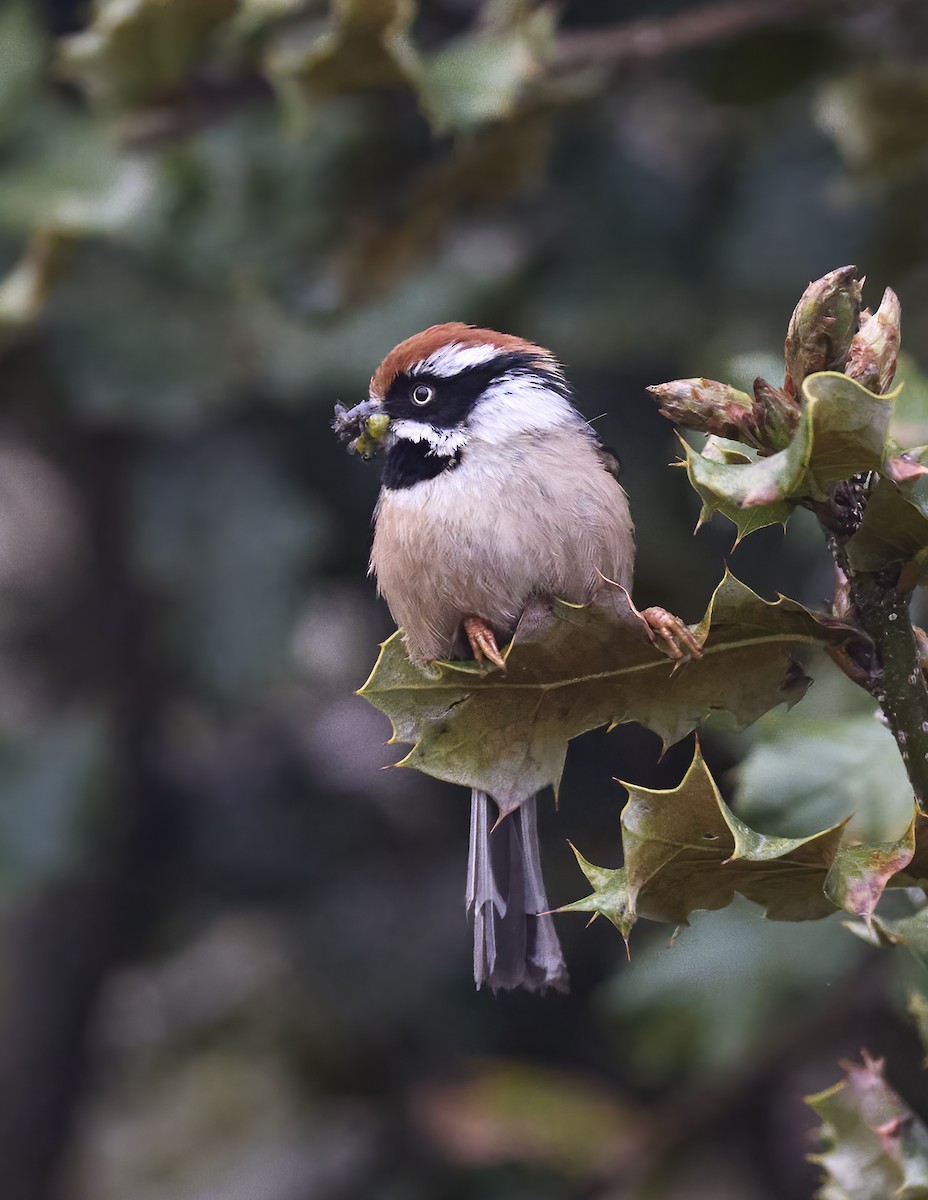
(495,492)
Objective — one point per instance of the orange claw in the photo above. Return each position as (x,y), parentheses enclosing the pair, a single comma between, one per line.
(679,642)
(483,642)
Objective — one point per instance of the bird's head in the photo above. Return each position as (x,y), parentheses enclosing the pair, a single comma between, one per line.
(454,384)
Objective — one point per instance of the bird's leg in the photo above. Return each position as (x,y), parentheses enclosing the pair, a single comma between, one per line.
(483,642)
(678,641)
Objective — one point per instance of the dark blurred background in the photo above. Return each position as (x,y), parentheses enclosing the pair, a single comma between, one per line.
(234,963)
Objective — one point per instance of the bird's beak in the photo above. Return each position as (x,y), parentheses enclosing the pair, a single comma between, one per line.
(362,427)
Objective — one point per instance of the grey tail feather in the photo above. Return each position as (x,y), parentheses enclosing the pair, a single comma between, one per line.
(514,946)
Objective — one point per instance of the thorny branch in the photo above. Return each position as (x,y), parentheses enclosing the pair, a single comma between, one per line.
(879,603)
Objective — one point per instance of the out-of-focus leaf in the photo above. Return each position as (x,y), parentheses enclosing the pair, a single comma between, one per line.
(512,1112)
(20,59)
(482,78)
(909,426)
(74,180)
(585,667)
(875,1148)
(842,430)
(256,12)
(506,160)
(136,51)
(910,931)
(24,290)
(917,1009)
(809,771)
(363,44)
(698,1005)
(878,116)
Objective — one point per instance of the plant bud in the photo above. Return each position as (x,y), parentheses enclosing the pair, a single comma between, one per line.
(874,348)
(777,415)
(822,326)
(710,407)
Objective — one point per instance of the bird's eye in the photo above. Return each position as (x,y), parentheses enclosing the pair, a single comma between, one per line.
(422,394)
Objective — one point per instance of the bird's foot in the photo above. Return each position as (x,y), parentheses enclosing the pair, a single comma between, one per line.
(678,640)
(483,642)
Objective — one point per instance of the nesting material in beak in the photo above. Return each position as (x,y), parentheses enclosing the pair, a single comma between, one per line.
(363,427)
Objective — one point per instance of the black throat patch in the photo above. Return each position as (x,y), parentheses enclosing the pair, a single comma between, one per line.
(407,463)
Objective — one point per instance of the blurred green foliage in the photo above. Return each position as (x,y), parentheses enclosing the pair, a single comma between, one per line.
(231,949)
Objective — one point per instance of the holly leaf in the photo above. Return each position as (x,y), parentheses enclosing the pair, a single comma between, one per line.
(842,430)
(894,528)
(861,872)
(483,77)
(136,51)
(610,897)
(710,485)
(685,850)
(364,44)
(582,667)
(916,872)
(874,1145)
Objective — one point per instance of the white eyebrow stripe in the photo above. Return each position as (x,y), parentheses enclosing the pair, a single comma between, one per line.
(454,358)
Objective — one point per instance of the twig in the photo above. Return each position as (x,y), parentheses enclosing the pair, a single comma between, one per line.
(880,606)
(651,38)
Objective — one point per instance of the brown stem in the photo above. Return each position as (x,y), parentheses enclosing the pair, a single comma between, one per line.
(651,38)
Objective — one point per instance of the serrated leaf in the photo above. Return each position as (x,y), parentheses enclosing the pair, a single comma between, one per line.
(610,897)
(916,872)
(842,431)
(586,667)
(875,1148)
(894,528)
(134,51)
(685,850)
(709,473)
(861,872)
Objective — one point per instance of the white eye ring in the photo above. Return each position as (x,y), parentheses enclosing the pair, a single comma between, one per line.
(422,394)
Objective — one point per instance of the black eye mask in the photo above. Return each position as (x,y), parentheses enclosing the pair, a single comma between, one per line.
(454,396)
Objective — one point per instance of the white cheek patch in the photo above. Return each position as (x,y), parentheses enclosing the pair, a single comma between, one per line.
(520,403)
(454,358)
(444,442)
